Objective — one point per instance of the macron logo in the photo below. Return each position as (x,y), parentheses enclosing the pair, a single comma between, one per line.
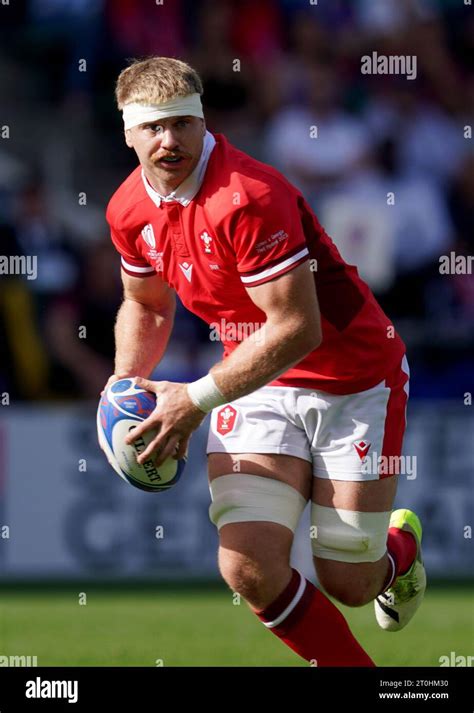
(39,688)
(187,270)
(362,449)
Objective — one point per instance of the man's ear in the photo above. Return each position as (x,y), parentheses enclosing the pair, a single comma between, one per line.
(128,138)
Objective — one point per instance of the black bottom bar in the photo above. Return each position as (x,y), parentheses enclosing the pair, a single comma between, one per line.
(152,689)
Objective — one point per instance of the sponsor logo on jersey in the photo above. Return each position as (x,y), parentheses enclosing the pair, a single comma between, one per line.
(149,236)
(272,241)
(226,419)
(362,448)
(206,241)
(187,269)
(157,258)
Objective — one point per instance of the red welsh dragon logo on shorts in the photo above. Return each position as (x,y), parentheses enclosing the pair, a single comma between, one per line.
(226,419)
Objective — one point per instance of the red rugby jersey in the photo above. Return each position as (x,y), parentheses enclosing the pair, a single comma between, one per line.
(238,222)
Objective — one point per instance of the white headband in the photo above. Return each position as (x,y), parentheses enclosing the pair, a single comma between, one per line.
(135,114)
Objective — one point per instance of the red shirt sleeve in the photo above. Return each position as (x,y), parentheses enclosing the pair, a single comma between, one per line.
(133,263)
(268,237)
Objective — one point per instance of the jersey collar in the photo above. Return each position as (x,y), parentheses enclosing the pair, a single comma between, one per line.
(186,191)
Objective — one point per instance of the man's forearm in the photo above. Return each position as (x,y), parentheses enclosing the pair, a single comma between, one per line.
(141,337)
(262,357)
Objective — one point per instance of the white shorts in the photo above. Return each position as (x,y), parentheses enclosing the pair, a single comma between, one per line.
(351,437)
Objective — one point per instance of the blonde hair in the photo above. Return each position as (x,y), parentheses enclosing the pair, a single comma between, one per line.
(156,80)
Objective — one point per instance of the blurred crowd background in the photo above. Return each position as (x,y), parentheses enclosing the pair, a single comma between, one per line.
(63,156)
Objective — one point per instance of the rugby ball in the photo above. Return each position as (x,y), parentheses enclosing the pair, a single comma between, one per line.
(122,407)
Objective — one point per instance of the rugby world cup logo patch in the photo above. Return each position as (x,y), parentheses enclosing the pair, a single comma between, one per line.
(149,236)
(226,420)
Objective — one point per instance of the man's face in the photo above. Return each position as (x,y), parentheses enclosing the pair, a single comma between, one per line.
(168,149)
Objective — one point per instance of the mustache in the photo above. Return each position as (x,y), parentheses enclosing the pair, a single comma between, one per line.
(173,154)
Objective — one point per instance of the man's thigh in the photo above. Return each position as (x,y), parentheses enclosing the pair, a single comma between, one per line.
(259,472)
(360,496)
(358,438)
(261,540)
(352,568)
(353,498)
(295,472)
(353,491)
(374,499)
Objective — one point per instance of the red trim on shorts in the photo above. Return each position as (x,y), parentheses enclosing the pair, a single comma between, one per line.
(395,418)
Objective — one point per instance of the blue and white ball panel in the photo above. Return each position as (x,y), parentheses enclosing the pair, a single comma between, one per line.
(122,407)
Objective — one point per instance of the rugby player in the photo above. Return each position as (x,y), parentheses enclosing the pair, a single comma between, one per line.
(297,403)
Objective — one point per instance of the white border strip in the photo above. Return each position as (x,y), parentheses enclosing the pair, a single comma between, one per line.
(290,607)
(276,268)
(134,268)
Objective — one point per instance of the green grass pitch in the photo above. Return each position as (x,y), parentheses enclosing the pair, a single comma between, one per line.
(201,626)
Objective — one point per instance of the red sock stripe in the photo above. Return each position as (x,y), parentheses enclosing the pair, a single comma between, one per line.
(274,610)
(313,628)
(297,613)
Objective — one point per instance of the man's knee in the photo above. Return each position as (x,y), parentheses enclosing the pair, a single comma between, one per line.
(348,547)
(349,594)
(254,559)
(258,583)
(353,598)
(243,575)
(351,584)
(256,518)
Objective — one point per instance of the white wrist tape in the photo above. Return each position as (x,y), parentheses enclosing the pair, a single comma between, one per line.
(205,395)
